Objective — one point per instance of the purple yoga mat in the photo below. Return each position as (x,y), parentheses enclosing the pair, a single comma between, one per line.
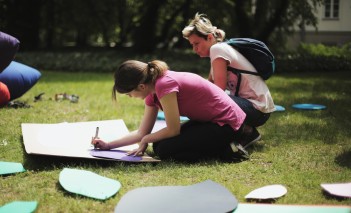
(114,154)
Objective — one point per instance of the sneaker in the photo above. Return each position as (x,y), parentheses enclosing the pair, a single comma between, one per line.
(249,137)
(239,152)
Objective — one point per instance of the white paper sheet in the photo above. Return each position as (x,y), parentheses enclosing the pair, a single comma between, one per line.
(70,139)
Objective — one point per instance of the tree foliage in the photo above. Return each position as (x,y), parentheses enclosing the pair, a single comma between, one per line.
(148,24)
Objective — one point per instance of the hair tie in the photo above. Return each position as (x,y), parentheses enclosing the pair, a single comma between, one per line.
(149,65)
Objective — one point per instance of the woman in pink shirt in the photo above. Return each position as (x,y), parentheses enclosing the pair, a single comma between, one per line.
(215,120)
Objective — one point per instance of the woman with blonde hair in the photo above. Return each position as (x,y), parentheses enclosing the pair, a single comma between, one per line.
(253,95)
(215,120)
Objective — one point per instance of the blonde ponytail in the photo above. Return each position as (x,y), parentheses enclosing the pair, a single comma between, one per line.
(202,27)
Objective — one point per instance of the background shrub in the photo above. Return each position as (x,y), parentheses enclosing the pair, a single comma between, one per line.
(307,58)
(316,57)
(109,60)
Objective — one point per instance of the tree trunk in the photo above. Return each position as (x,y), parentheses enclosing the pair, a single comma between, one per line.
(275,21)
(243,23)
(145,34)
(24,22)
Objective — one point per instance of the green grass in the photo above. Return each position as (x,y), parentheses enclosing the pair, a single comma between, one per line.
(299,149)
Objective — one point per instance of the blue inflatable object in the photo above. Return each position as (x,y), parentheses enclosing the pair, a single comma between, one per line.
(161,116)
(309,106)
(8,48)
(19,78)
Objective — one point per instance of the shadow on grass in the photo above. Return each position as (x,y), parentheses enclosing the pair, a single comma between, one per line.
(40,162)
(257,147)
(329,89)
(344,159)
(327,126)
(78,196)
(329,196)
(45,162)
(261,201)
(48,162)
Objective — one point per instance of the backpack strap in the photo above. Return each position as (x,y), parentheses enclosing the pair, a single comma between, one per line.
(238,85)
(238,72)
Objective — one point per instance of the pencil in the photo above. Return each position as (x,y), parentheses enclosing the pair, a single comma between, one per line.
(96,135)
(97,132)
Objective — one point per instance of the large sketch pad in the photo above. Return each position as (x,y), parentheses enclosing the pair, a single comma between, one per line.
(71,139)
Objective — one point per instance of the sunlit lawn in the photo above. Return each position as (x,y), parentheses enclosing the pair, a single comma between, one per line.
(299,149)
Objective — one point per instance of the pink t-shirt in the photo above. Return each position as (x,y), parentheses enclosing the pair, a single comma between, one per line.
(198,99)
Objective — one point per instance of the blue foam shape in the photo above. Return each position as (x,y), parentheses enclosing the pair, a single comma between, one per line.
(161,116)
(309,106)
(279,108)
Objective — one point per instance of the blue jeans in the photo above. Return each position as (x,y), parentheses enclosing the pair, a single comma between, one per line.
(254,117)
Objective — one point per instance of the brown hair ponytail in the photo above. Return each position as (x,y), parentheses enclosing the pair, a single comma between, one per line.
(131,73)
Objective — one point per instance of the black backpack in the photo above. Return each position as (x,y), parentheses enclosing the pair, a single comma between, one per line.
(257,53)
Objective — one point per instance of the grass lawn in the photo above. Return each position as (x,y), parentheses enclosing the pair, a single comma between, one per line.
(299,149)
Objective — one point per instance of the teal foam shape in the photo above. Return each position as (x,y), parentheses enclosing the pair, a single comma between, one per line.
(10,168)
(19,206)
(88,184)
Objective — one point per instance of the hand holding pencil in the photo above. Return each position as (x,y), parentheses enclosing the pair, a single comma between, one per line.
(97,142)
(96,137)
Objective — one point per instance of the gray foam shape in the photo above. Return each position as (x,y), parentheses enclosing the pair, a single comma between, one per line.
(207,196)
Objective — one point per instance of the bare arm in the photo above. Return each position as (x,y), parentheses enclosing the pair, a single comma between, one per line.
(210,77)
(170,107)
(145,128)
(219,66)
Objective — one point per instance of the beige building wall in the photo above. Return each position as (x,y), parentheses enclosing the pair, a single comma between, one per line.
(330,31)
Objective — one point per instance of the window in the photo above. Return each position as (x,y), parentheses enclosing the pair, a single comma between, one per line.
(331,9)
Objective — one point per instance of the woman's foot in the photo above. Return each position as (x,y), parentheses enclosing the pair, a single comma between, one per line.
(249,136)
